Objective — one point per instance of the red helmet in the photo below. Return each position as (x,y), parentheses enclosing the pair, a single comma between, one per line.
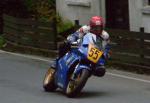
(96,25)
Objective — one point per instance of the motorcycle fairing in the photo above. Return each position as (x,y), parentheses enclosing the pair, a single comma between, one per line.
(63,67)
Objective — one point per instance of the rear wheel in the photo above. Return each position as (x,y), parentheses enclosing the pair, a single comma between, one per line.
(48,83)
(76,85)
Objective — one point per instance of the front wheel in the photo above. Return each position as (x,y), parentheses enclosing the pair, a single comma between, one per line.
(48,83)
(76,85)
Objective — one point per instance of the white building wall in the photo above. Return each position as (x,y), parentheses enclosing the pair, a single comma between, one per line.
(139,12)
(81,10)
(146,18)
(146,22)
(135,15)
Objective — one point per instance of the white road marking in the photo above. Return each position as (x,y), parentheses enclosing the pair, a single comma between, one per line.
(128,77)
(26,56)
(48,60)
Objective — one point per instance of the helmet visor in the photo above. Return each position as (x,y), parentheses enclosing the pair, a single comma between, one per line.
(97,29)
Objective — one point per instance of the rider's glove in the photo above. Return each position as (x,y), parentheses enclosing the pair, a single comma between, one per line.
(107,55)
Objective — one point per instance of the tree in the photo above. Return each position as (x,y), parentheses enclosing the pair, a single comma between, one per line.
(41,9)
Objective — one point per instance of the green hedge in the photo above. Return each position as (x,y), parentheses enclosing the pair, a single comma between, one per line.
(2,41)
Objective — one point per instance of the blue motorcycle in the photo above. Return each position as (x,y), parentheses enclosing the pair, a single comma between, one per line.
(76,66)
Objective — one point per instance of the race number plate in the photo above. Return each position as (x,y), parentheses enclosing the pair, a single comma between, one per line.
(93,53)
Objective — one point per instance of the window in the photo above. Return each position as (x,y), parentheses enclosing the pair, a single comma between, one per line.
(85,3)
(146,7)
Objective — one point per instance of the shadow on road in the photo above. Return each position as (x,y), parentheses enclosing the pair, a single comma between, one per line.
(92,94)
(84,94)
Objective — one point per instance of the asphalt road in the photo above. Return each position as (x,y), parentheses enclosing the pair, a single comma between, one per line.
(21,80)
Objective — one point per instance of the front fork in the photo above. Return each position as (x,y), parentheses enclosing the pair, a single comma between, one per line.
(78,69)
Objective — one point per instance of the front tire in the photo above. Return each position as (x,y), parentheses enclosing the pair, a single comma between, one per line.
(75,86)
(48,83)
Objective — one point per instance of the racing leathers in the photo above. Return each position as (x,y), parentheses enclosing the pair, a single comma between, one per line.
(76,38)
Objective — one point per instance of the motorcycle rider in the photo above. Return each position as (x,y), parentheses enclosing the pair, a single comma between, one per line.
(96,26)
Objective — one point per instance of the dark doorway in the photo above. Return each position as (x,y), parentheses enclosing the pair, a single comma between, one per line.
(1,18)
(117,14)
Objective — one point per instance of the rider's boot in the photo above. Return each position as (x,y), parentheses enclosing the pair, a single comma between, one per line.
(100,71)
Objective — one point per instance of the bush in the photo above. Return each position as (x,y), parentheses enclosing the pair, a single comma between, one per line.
(62,25)
(43,10)
(2,41)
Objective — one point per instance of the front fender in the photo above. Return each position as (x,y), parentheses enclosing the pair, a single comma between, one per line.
(78,69)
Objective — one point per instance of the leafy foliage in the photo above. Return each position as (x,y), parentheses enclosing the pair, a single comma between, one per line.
(2,41)
(41,9)
(63,25)
(44,10)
